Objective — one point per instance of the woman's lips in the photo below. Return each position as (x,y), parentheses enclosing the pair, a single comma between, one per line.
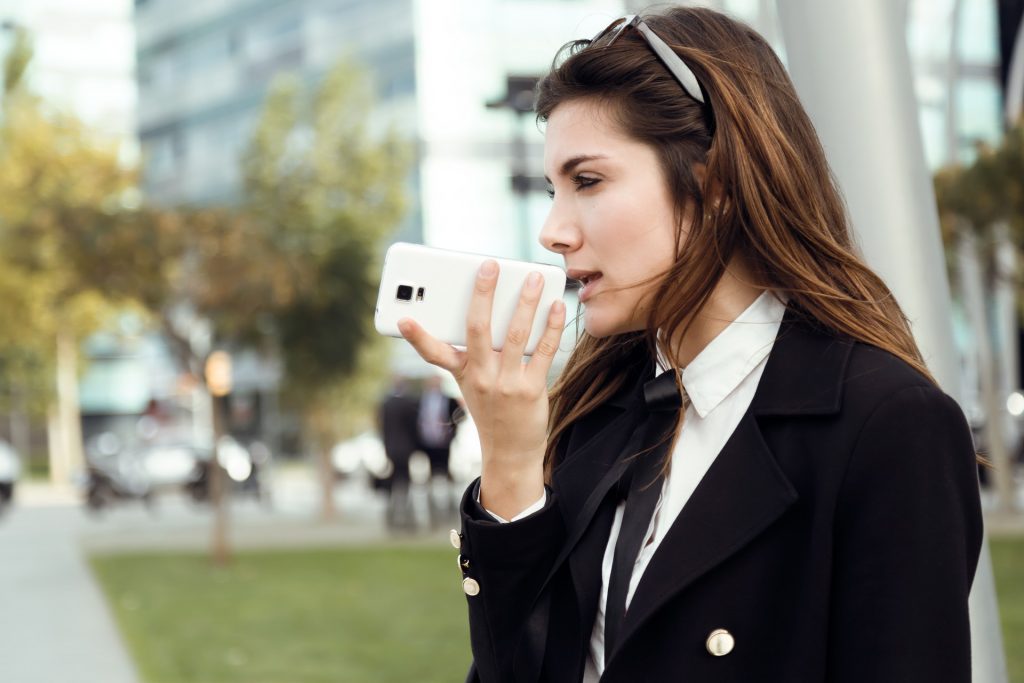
(589,283)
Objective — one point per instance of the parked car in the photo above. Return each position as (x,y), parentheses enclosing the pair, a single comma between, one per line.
(362,453)
(10,470)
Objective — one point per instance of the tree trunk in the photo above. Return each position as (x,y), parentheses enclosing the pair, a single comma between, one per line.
(55,447)
(220,551)
(328,510)
(21,429)
(1004,297)
(995,409)
(66,453)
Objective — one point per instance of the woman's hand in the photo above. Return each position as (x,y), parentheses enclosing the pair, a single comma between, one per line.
(507,398)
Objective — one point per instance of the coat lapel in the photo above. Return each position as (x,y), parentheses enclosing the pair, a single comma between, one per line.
(745,490)
(742,493)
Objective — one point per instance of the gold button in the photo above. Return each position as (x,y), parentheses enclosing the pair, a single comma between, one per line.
(720,642)
(470,587)
(463,563)
(456,539)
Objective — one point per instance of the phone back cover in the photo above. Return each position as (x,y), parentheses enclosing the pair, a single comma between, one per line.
(447,279)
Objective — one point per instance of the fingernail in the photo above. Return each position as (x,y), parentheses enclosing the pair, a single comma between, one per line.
(533,281)
(403,325)
(558,306)
(489,268)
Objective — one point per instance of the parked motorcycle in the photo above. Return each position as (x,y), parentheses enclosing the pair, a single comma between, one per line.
(241,465)
(114,478)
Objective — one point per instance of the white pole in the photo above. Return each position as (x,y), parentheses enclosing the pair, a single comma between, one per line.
(1015,79)
(851,68)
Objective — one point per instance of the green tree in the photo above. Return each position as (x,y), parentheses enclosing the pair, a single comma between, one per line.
(981,209)
(293,269)
(327,192)
(60,189)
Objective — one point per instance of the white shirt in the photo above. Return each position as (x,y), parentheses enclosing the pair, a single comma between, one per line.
(433,418)
(720,382)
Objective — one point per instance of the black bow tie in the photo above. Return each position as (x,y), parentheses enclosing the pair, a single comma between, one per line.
(663,392)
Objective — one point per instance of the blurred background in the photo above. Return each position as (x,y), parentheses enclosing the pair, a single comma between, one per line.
(195,199)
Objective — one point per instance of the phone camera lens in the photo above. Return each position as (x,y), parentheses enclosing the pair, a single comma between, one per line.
(404,293)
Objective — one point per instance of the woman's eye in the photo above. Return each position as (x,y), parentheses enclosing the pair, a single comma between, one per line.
(580,181)
(583,181)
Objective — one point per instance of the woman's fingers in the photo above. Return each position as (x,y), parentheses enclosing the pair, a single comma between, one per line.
(478,319)
(547,347)
(431,350)
(521,325)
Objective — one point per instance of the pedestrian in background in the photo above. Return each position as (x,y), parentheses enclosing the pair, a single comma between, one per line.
(398,417)
(745,471)
(436,423)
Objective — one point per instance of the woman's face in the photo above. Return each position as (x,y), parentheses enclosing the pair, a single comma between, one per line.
(612,217)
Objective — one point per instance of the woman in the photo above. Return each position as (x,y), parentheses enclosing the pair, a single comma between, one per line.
(745,471)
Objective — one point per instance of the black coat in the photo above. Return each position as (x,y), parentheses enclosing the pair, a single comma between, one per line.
(835,537)
(397,420)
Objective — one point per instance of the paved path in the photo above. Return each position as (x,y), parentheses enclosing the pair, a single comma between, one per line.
(55,626)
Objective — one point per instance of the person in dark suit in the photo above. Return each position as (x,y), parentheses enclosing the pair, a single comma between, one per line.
(745,471)
(397,422)
(436,423)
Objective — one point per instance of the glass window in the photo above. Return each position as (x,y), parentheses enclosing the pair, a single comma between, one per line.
(207,54)
(159,154)
(978,40)
(978,113)
(928,29)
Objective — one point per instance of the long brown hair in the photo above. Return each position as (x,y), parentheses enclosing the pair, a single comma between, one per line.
(771,194)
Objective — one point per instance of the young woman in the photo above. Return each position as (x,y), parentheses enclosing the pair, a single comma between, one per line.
(745,471)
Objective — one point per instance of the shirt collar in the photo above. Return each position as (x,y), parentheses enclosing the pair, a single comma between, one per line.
(731,356)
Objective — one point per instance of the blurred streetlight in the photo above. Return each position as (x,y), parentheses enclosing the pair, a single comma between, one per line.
(218,373)
(518,98)
(1015,404)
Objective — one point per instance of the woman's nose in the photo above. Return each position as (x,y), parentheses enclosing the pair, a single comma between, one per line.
(560,233)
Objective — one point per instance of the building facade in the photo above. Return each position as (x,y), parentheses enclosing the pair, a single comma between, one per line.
(83,59)
(204,70)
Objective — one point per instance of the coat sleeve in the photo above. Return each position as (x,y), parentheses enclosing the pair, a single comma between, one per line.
(907,535)
(509,562)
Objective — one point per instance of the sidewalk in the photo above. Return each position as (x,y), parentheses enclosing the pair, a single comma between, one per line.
(56,626)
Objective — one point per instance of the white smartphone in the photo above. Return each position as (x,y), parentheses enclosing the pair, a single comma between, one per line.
(434,287)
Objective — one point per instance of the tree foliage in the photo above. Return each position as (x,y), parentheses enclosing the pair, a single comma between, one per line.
(989,191)
(62,190)
(324,192)
(982,195)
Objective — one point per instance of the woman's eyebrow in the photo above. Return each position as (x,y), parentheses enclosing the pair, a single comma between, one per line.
(569,164)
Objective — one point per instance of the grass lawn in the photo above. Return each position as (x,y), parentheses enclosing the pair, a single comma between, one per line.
(1008,565)
(357,615)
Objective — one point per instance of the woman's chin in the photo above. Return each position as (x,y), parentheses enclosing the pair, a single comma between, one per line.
(598,324)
